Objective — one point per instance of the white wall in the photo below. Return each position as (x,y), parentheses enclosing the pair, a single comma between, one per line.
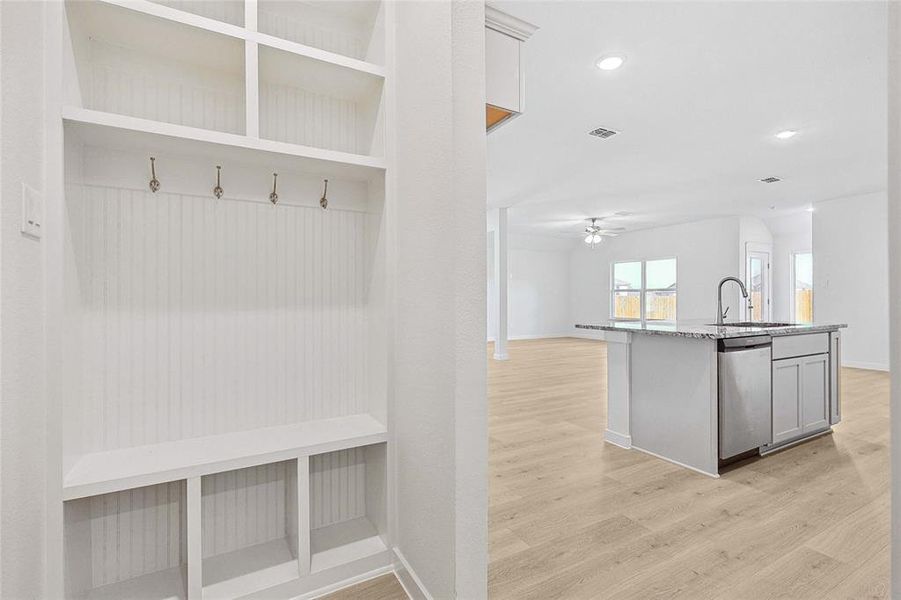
(706,251)
(439,408)
(22,404)
(791,234)
(850,274)
(538,288)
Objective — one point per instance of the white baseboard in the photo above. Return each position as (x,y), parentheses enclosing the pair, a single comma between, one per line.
(587,334)
(501,356)
(352,581)
(538,336)
(618,439)
(853,364)
(408,578)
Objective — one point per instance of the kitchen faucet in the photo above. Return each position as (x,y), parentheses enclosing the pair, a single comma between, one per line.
(720,315)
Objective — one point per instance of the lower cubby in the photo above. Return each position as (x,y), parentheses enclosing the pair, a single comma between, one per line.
(276,530)
(249,529)
(348,501)
(128,544)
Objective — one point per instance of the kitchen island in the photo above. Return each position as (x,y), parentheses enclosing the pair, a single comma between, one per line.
(702,395)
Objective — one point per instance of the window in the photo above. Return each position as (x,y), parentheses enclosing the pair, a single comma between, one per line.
(644,290)
(802,287)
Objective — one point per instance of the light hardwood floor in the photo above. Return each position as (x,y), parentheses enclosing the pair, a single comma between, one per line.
(572,517)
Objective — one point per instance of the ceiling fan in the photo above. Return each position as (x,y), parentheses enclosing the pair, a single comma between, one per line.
(595,233)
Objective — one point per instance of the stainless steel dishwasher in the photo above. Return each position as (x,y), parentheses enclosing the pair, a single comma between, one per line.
(745,394)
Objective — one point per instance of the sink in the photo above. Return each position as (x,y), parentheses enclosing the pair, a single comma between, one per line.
(757,324)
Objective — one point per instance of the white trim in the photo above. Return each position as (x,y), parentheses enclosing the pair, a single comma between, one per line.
(408,579)
(759,248)
(588,334)
(618,439)
(870,366)
(350,581)
(676,462)
(508,24)
(503,356)
(792,310)
(537,336)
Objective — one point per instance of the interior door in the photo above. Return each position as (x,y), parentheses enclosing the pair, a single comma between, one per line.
(759,284)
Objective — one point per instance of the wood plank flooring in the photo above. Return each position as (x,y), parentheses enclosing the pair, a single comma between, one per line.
(572,517)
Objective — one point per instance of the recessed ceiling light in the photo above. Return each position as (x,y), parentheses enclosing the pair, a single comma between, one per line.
(610,62)
(786,134)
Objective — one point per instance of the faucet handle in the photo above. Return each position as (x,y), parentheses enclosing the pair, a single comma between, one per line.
(726,312)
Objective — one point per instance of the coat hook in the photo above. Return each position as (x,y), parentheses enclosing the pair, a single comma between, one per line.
(218,191)
(323,202)
(273,197)
(154,182)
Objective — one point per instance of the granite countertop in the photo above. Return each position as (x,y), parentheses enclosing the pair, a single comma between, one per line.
(702,330)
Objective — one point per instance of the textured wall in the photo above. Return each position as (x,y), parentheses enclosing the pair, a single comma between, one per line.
(439,406)
(22,405)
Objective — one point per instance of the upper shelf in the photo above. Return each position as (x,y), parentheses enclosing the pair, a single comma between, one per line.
(128,468)
(266,36)
(121,132)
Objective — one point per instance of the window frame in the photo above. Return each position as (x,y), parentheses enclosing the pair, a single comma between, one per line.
(792,306)
(642,291)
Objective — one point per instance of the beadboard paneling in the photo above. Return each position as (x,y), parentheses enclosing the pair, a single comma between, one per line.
(124,81)
(327,34)
(227,11)
(337,487)
(201,316)
(297,116)
(247,507)
(131,533)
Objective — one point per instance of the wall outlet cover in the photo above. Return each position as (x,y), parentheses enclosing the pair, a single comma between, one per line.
(32,211)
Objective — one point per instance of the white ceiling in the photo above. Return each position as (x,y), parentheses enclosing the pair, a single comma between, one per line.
(703,89)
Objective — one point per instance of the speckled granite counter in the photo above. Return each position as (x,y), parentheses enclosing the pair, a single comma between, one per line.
(702,330)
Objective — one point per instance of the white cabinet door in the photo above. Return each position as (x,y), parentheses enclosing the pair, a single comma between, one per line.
(502,75)
(815,392)
(800,396)
(787,381)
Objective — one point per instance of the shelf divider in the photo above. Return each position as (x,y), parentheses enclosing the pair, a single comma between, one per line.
(194,524)
(304,550)
(252,87)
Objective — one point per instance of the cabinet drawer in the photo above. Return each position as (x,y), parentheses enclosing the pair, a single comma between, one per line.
(800,345)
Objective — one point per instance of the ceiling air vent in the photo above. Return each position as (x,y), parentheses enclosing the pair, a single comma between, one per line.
(770,179)
(602,133)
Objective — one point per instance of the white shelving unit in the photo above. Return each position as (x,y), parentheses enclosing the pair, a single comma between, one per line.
(224,409)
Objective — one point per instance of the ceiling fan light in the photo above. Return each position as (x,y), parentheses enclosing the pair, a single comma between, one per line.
(589,238)
(596,239)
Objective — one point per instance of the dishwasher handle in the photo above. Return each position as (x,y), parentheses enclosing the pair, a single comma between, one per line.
(744,343)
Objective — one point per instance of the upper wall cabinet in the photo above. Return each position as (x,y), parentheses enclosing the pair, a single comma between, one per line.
(504,35)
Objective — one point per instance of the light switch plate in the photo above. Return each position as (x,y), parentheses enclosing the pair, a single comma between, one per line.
(32,211)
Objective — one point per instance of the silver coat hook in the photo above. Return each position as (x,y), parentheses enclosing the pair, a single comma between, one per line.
(273,197)
(154,182)
(323,202)
(218,191)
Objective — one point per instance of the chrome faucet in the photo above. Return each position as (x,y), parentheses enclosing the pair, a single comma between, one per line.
(720,315)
